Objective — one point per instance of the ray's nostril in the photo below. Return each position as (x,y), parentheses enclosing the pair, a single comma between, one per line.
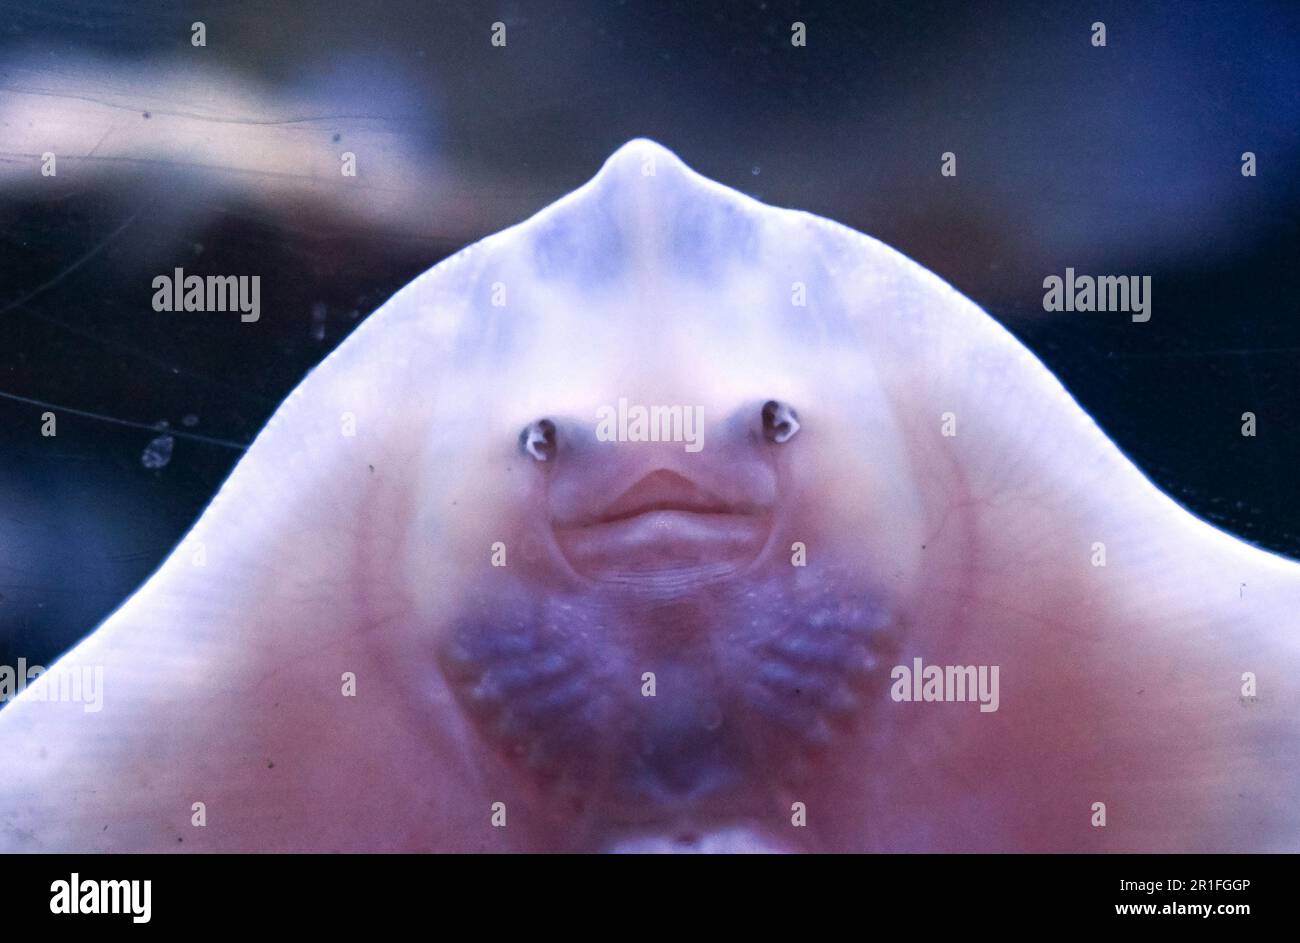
(538,440)
(780,422)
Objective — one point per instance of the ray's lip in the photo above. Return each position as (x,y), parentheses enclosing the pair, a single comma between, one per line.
(665,524)
(663,491)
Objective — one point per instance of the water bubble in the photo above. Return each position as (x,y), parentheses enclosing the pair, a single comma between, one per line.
(318,321)
(158,452)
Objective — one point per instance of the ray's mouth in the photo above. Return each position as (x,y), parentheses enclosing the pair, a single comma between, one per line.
(665,525)
(665,491)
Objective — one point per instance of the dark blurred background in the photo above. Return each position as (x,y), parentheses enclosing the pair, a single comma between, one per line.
(224,159)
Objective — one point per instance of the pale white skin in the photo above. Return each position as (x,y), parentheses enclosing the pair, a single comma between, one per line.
(327,553)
